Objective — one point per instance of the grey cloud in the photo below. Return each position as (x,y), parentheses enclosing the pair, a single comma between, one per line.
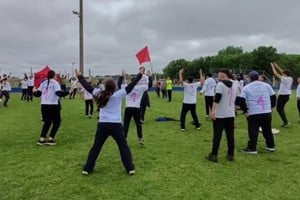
(35,33)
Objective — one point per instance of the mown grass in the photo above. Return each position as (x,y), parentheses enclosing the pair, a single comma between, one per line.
(170,166)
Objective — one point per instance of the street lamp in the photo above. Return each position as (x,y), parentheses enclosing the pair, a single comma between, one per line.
(80,15)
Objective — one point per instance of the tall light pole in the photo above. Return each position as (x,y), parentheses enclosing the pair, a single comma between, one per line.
(80,15)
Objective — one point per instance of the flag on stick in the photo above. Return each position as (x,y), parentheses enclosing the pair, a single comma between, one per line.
(143,55)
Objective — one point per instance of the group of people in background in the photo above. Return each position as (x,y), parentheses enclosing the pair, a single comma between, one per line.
(222,96)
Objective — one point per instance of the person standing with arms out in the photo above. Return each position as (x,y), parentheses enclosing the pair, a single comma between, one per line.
(189,99)
(6,88)
(73,88)
(169,88)
(284,92)
(208,90)
(30,85)
(133,101)
(257,100)
(222,114)
(88,100)
(50,92)
(23,85)
(298,98)
(110,121)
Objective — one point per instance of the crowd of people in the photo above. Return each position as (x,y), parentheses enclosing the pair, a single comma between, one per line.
(223,95)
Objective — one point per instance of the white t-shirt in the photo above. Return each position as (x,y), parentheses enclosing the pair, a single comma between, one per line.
(298,91)
(257,95)
(74,84)
(24,84)
(285,85)
(48,93)
(133,99)
(112,111)
(30,83)
(6,86)
(209,87)
(86,94)
(226,106)
(190,92)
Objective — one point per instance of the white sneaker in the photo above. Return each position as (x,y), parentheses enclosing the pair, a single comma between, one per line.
(275,131)
(270,149)
(131,172)
(85,173)
(183,130)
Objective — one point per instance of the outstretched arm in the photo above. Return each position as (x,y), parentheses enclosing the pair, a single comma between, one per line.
(180,77)
(84,82)
(202,79)
(275,71)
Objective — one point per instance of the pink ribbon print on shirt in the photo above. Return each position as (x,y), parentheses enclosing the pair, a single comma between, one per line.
(133,96)
(260,102)
(230,93)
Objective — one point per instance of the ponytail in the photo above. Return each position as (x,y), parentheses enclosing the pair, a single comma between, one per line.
(110,87)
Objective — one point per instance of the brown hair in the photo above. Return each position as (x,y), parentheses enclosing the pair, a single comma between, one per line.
(110,87)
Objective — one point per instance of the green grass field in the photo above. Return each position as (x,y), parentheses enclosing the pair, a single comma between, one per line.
(171,165)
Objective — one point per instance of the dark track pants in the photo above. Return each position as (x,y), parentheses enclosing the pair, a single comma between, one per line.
(135,113)
(265,122)
(103,131)
(51,116)
(208,103)
(184,110)
(89,107)
(219,125)
(281,101)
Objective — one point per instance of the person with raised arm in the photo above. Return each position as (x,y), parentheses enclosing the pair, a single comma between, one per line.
(133,104)
(208,90)
(189,99)
(50,92)
(284,91)
(110,120)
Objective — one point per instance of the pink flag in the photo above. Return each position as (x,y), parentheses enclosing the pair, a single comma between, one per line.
(143,55)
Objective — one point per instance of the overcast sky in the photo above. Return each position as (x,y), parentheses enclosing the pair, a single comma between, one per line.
(35,33)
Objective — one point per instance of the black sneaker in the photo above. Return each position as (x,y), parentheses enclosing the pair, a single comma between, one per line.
(212,158)
(51,142)
(285,125)
(249,151)
(41,143)
(230,157)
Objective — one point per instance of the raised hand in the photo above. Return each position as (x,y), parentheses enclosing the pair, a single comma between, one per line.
(77,72)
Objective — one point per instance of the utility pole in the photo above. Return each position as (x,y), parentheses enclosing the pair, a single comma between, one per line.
(80,15)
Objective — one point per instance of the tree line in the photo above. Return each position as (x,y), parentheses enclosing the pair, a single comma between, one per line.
(237,60)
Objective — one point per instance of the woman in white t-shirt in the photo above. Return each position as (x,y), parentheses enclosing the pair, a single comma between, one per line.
(110,121)
(89,104)
(50,92)
(284,92)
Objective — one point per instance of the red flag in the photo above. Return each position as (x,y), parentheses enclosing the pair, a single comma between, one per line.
(143,55)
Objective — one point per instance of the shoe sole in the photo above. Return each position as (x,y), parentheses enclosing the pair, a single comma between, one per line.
(250,153)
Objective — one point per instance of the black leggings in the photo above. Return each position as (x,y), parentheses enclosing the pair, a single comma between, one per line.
(89,106)
(282,100)
(51,116)
(103,131)
(135,113)
(208,103)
